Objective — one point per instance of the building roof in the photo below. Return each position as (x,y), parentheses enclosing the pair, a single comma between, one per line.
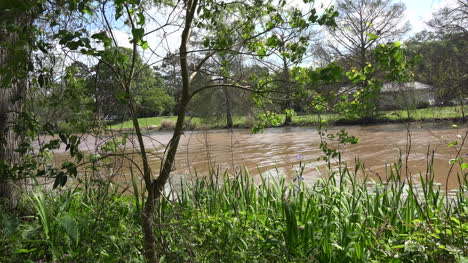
(395,87)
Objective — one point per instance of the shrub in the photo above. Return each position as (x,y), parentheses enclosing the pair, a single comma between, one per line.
(167,124)
(423,105)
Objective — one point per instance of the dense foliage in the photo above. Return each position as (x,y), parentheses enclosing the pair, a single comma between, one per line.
(443,63)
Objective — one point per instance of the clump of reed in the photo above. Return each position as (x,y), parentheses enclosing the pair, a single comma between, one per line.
(341,218)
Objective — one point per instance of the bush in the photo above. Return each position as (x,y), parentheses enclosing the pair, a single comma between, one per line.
(423,105)
(167,124)
(71,226)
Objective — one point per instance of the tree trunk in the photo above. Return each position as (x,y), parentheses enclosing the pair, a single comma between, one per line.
(229,123)
(155,188)
(287,89)
(462,105)
(14,58)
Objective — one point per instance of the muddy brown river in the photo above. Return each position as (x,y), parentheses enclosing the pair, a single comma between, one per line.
(280,150)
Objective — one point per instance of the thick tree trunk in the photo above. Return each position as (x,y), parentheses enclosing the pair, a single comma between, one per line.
(9,140)
(14,58)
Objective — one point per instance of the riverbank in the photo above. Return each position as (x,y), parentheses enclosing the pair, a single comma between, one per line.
(396,116)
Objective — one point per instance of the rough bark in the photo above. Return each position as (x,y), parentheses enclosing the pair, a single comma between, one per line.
(14,57)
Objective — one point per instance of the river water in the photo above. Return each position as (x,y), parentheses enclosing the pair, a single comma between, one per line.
(281,150)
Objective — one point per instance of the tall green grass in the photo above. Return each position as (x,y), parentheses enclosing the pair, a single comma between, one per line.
(338,219)
(96,224)
(234,218)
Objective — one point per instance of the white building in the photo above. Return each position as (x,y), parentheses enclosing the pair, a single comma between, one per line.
(406,95)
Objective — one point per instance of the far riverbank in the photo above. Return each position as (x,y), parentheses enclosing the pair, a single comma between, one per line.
(436,114)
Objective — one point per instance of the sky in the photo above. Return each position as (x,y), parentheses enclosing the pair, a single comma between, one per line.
(420,11)
(417,13)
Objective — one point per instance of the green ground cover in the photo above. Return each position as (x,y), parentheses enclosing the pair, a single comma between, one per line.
(427,113)
(169,121)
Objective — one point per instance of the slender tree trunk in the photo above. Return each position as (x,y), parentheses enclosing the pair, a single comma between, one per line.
(147,215)
(229,123)
(362,59)
(14,58)
(287,88)
(462,104)
(155,187)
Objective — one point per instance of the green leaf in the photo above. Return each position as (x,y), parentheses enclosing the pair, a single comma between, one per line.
(455,220)
(372,36)
(102,36)
(464,166)
(138,33)
(206,42)
(24,250)
(141,19)
(60,180)
(144,45)
(313,16)
(398,246)
(71,227)
(273,41)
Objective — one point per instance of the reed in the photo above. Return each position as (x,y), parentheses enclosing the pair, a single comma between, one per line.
(339,219)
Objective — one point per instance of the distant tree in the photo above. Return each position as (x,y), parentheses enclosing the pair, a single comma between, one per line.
(153,98)
(74,90)
(443,63)
(292,48)
(225,102)
(288,46)
(363,24)
(451,20)
(452,24)
(444,54)
(149,92)
(169,70)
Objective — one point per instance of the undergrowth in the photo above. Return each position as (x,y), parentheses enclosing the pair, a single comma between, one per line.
(231,218)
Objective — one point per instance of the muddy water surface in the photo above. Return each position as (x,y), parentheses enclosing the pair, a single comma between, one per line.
(280,150)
